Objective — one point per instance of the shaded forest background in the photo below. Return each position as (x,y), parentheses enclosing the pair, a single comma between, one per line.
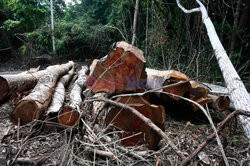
(88,29)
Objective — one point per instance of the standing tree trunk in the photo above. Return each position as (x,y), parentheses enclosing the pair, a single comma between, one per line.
(238,93)
(135,21)
(52,27)
(146,40)
(235,27)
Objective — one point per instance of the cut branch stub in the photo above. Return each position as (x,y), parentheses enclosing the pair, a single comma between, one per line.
(68,116)
(34,105)
(122,70)
(157,79)
(133,125)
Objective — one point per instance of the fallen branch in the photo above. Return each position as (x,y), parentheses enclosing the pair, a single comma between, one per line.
(100,152)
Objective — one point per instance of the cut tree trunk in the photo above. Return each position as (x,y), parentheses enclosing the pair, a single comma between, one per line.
(122,70)
(10,84)
(220,103)
(69,115)
(158,79)
(132,125)
(199,94)
(59,94)
(34,105)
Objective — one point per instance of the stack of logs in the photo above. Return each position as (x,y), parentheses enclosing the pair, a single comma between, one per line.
(122,76)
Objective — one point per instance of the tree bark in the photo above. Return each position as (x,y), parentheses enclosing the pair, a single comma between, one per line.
(10,84)
(135,21)
(238,93)
(59,94)
(235,27)
(52,27)
(34,105)
(98,105)
(70,114)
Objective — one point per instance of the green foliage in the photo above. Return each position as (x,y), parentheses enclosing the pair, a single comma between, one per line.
(10,24)
(89,29)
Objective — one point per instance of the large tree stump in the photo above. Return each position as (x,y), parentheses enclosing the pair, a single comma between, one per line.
(131,124)
(69,115)
(34,105)
(120,71)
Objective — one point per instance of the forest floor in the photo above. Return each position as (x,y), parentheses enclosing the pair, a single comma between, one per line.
(36,144)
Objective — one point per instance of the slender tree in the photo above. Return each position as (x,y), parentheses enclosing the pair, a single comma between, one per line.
(235,26)
(135,21)
(52,27)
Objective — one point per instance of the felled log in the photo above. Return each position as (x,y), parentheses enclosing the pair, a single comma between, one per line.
(220,90)
(69,115)
(10,84)
(199,94)
(133,125)
(34,105)
(59,94)
(158,79)
(120,71)
(220,103)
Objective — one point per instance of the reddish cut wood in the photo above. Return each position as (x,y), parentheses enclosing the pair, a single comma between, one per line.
(119,71)
(68,116)
(158,79)
(199,94)
(131,124)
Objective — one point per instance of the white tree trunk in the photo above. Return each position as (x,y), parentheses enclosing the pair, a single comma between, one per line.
(135,21)
(238,93)
(52,27)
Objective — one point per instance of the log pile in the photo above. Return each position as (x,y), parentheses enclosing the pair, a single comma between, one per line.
(122,76)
